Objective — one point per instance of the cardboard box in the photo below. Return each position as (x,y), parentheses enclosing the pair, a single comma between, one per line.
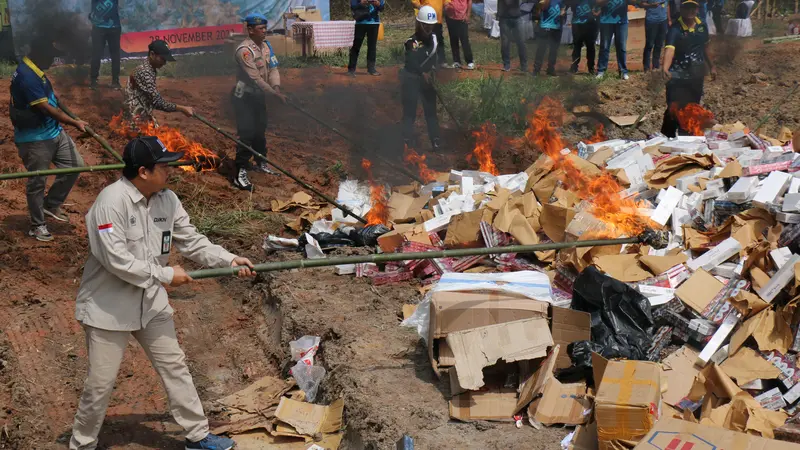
(779,280)
(628,402)
(699,290)
(674,434)
(458,311)
(310,419)
(495,404)
(568,326)
(774,186)
(716,256)
(481,347)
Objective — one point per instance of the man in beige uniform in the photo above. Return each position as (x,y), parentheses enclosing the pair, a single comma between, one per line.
(132,227)
(256,77)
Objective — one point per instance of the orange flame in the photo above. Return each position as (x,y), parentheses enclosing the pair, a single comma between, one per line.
(485,140)
(602,191)
(379,213)
(172,138)
(415,159)
(693,118)
(598,136)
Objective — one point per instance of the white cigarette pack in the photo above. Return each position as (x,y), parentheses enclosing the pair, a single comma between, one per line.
(772,399)
(683,183)
(652,291)
(625,158)
(741,190)
(756,385)
(680,216)
(717,339)
(779,280)
(780,256)
(791,203)
(792,394)
(667,204)
(612,143)
(439,223)
(716,256)
(682,147)
(721,355)
(794,185)
(724,270)
(774,186)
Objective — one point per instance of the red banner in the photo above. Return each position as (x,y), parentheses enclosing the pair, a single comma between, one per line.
(180,37)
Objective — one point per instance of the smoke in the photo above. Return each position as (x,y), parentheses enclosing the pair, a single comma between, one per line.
(52,22)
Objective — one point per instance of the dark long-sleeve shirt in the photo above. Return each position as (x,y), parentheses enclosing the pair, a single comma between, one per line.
(420,55)
(374,12)
(142,96)
(508,9)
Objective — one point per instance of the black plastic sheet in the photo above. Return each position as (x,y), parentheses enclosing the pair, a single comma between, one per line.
(622,323)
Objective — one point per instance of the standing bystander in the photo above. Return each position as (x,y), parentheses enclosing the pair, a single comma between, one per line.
(655,32)
(550,24)
(508,14)
(584,33)
(39,137)
(106,29)
(613,24)
(367,16)
(457,13)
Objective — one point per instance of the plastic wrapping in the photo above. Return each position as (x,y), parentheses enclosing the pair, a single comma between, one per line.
(304,349)
(622,323)
(421,318)
(368,236)
(308,379)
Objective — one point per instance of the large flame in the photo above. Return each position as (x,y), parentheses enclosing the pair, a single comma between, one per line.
(412,157)
(174,140)
(602,192)
(485,140)
(598,136)
(379,213)
(693,118)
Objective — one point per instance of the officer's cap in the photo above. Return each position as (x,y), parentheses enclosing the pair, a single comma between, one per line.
(255,19)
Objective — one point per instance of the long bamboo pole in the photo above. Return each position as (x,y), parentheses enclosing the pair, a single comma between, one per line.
(387,257)
(776,107)
(361,148)
(69,170)
(103,142)
(302,183)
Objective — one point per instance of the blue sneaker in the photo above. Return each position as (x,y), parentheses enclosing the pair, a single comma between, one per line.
(211,442)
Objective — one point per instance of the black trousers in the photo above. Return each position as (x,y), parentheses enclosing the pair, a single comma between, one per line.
(438,30)
(101,36)
(584,35)
(459,37)
(251,126)
(680,93)
(413,88)
(370,31)
(547,40)
(716,15)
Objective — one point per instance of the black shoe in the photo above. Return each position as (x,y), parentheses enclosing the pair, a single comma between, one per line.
(374,73)
(573,69)
(242,181)
(551,73)
(351,73)
(263,167)
(93,85)
(116,86)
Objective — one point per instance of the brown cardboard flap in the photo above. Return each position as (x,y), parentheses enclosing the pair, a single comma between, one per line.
(568,326)
(464,230)
(495,404)
(746,365)
(678,372)
(561,404)
(585,437)
(481,347)
(260,440)
(310,419)
(698,291)
(534,386)
(457,311)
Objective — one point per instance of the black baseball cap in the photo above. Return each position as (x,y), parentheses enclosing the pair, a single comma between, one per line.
(147,150)
(161,48)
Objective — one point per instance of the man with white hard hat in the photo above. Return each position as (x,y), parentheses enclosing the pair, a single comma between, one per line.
(417,77)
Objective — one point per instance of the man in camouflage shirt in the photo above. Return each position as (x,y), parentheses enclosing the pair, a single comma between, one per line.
(141,93)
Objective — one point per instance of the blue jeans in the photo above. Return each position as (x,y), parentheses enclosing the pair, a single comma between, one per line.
(655,35)
(510,31)
(620,33)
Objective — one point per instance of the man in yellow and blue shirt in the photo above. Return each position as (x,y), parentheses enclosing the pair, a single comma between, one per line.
(40,138)
(686,62)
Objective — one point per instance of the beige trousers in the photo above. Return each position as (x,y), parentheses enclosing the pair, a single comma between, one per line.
(106,349)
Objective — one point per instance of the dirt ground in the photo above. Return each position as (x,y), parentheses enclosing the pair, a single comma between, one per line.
(233,331)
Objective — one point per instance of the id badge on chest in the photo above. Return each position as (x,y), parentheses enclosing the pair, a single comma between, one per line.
(166,242)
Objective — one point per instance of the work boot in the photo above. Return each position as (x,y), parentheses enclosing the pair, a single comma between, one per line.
(40,233)
(211,442)
(263,167)
(56,214)
(242,182)
(93,85)
(351,73)
(374,73)
(116,86)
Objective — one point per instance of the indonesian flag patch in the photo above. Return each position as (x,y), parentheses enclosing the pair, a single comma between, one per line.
(105,228)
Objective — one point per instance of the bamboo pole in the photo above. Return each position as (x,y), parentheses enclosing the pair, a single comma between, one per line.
(388,257)
(103,142)
(69,170)
(302,183)
(361,148)
(775,108)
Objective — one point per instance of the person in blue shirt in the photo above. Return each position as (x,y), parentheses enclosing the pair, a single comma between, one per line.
(655,32)
(686,62)
(106,29)
(613,24)
(368,22)
(39,137)
(584,32)
(550,26)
